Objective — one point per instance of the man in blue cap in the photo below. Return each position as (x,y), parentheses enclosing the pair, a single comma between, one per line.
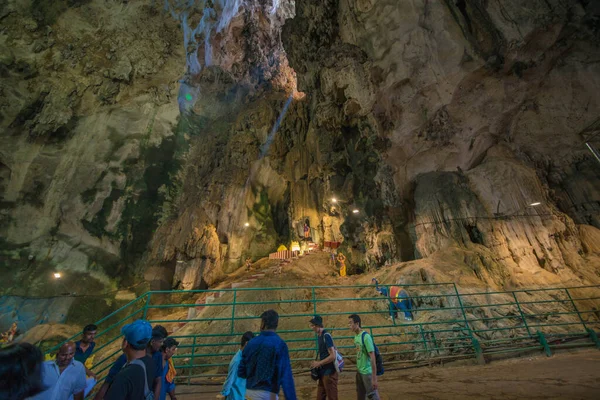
(159,333)
(134,381)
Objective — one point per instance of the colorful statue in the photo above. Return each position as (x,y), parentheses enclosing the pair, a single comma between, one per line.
(342,260)
(399,300)
(9,336)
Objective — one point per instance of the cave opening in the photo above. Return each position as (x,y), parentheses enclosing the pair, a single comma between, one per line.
(474,233)
(281,220)
(462,7)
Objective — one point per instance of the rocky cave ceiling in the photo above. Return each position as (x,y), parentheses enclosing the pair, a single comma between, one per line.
(138,138)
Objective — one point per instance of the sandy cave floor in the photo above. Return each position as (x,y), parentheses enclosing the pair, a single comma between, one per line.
(566,375)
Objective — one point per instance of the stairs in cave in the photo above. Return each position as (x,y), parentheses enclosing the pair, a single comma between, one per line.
(193,312)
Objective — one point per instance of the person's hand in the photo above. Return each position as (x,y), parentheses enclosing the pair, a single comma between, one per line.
(375,384)
(220,396)
(92,375)
(314,364)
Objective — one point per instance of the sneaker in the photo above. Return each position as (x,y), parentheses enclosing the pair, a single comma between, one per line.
(408,318)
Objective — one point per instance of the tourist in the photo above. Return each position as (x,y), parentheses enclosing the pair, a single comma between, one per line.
(398,300)
(168,350)
(306,231)
(158,334)
(265,363)
(63,377)
(83,353)
(20,371)
(134,379)
(234,387)
(248,264)
(366,371)
(328,376)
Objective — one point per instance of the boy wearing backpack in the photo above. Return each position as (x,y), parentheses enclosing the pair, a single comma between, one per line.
(134,380)
(366,366)
(328,375)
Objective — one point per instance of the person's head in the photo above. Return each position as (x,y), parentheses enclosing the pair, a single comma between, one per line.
(89,333)
(316,323)
(246,337)
(159,333)
(20,371)
(65,354)
(269,320)
(136,336)
(354,323)
(169,347)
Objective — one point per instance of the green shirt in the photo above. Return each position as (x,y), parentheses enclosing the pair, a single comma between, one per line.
(363,359)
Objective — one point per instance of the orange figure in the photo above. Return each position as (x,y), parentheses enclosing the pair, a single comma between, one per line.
(342,260)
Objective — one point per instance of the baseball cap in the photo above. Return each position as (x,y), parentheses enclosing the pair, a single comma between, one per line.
(138,333)
(317,320)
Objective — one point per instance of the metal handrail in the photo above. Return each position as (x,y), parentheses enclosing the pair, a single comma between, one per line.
(457,328)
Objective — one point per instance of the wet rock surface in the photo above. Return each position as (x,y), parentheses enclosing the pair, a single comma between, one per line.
(131,147)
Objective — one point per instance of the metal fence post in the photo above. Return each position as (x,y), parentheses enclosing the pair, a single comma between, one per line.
(145,314)
(191,361)
(594,337)
(314,300)
(474,341)
(522,315)
(544,343)
(233,311)
(424,340)
(576,310)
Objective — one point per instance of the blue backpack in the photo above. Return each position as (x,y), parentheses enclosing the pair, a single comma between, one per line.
(378,359)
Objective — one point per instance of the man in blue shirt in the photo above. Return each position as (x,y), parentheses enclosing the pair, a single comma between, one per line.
(83,351)
(234,387)
(159,333)
(64,377)
(328,376)
(134,380)
(265,363)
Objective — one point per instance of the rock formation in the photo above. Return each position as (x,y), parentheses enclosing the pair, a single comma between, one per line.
(139,138)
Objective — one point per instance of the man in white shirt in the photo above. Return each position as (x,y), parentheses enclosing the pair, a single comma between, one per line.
(63,378)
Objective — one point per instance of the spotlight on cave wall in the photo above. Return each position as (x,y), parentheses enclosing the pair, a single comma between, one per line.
(537,203)
(355,211)
(247,224)
(334,200)
(57,275)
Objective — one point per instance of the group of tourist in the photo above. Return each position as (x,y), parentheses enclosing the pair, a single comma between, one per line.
(144,371)
(262,367)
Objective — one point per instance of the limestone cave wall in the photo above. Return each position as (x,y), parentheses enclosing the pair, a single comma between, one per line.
(172,141)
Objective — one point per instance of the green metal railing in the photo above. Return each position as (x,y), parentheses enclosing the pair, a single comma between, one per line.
(448,325)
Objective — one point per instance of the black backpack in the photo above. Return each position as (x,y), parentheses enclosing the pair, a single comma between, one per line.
(378,359)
